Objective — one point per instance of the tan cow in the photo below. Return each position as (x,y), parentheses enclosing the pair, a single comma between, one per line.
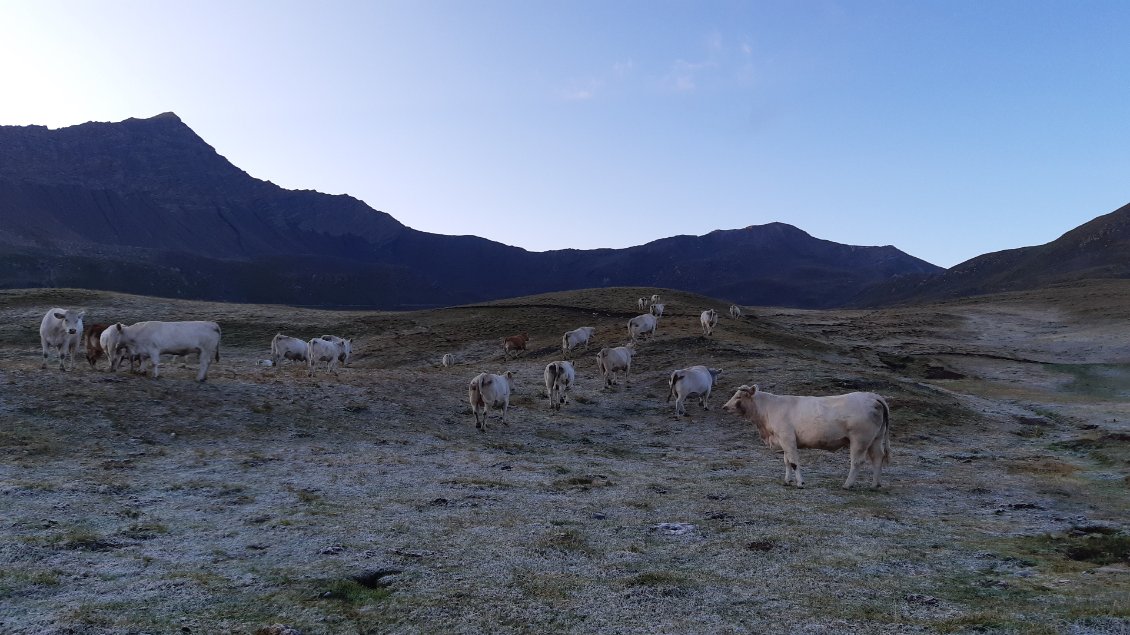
(610,360)
(859,421)
(709,320)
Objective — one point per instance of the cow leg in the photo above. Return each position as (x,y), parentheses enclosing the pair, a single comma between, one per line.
(702,401)
(505,407)
(857,454)
(875,453)
(205,361)
(680,406)
(155,362)
(59,352)
(792,464)
(43,343)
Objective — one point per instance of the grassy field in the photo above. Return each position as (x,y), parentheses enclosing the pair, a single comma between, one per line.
(366,502)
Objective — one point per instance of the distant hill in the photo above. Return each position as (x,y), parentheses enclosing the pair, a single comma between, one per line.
(146,206)
(1097,249)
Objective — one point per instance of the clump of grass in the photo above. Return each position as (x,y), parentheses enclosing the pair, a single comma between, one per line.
(569,540)
(354,593)
(145,530)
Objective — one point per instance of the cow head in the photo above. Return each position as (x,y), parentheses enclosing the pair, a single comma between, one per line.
(510,378)
(714,372)
(72,320)
(739,404)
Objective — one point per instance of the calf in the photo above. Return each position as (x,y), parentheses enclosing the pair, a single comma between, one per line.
(448,360)
(488,391)
(642,325)
(573,339)
(515,343)
(611,360)
(735,311)
(61,329)
(320,350)
(696,381)
(559,378)
(92,336)
(153,339)
(859,421)
(346,348)
(286,347)
(709,320)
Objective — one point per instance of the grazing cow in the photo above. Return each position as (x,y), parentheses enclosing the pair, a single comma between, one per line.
(346,348)
(286,347)
(573,339)
(657,309)
(859,421)
(696,381)
(642,303)
(655,299)
(490,391)
(515,343)
(91,338)
(610,360)
(61,329)
(709,320)
(559,378)
(321,350)
(641,325)
(735,311)
(448,360)
(152,339)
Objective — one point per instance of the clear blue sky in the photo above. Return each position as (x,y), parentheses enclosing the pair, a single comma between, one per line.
(946,128)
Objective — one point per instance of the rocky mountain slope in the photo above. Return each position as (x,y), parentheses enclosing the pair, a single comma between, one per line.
(146,206)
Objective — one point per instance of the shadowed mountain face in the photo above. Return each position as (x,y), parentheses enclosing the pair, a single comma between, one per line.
(146,206)
(1096,249)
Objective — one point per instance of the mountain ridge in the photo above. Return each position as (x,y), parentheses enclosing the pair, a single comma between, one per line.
(147,203)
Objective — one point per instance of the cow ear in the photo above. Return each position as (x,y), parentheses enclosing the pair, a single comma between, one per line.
(119,325)
(60,316)
(81,314)
(510,374)
(754,389)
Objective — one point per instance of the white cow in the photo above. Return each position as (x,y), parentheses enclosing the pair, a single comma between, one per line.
(322,350)
(61,329)
(655,298)
(152,339)
(696,381)
(642,303)
(641,325)
(610,360)
(286,347)
(111,343)
(657,309)
(573,339)
(559,378)
(448,360)
(488,391)
(735,311)
(859,421)
(346,348)
(709,320)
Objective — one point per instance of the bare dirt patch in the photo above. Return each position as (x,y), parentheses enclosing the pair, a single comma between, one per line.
(366,502)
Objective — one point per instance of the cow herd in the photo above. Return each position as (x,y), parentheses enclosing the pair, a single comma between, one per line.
(858,421)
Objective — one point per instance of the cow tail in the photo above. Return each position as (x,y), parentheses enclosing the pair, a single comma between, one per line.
(675,377)
(886,431)
(218,333)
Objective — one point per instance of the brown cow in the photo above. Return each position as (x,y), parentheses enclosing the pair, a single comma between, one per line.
(515,343)
(91,335)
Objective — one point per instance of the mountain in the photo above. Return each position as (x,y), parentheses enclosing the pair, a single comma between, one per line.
(147,206)
(1099,248)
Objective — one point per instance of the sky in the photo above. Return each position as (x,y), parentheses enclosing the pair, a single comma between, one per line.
(947,128)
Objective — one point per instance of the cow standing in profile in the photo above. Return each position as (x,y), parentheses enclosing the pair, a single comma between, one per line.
(859,421)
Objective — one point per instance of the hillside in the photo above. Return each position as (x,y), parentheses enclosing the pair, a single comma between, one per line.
(365,501)
(147,206)
(1097,249)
